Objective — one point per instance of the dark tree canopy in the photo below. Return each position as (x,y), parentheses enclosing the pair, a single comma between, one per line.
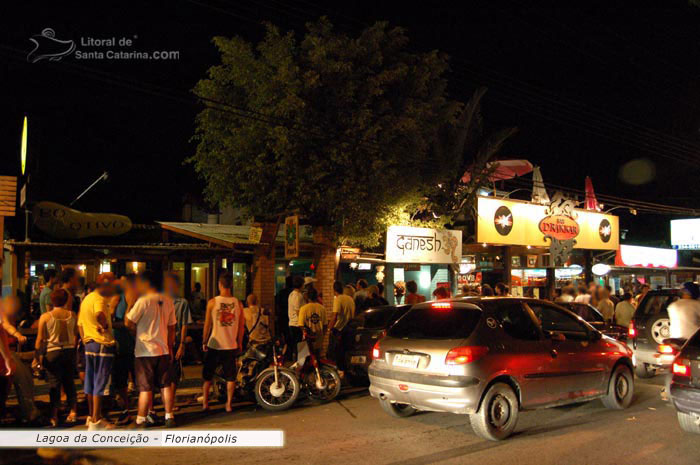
(337,127)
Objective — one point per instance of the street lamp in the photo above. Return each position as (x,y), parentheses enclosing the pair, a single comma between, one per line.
(104,176)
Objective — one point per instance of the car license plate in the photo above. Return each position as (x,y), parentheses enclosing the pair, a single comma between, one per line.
(406,361)
(358,359)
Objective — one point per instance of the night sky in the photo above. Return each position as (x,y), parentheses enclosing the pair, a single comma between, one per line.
(590,89)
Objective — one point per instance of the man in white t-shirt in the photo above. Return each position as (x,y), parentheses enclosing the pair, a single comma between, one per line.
(583,297)
(684,313)
(294,303)
(153,318)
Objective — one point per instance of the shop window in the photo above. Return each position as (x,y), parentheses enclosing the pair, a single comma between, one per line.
(238,270)
(200,274)
(179,270)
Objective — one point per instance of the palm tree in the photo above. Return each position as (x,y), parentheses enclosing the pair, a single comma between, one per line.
(462,147)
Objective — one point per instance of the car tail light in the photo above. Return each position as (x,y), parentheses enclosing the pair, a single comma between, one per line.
(681,369)
(666,349)
(632,331)
(376,351)
(441,305)
(464,355)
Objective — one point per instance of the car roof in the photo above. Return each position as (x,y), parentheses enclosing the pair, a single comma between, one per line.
(478,301)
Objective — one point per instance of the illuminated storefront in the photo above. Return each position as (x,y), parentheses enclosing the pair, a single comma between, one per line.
(657,267)
(534,248)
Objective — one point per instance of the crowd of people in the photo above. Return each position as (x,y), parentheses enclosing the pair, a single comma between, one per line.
(127,334)
(131,334)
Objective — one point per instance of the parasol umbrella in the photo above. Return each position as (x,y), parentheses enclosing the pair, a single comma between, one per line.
(539,193)
(591,201)
(502,170)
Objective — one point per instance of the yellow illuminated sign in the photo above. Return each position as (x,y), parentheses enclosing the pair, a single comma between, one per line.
(24,146)
(512,222)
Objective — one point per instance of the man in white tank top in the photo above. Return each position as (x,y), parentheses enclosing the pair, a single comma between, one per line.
(222,338)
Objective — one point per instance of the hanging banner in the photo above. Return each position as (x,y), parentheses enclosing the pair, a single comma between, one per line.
(405,244)
(63,222)
(291,237)
(512,222)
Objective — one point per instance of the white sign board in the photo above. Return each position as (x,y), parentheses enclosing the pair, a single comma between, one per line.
(685,234)
(405,244)
(649,257)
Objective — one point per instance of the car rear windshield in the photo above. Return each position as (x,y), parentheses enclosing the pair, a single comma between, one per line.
(436,323)
(376,318)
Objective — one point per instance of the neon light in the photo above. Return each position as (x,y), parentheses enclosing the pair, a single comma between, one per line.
(24,146)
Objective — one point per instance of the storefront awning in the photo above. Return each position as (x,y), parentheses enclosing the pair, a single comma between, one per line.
(225,235)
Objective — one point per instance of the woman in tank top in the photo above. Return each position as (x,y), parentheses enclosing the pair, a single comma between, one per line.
(55,342)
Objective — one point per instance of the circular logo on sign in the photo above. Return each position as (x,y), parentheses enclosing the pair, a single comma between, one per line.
(503,220)
(605,230)
(491,322)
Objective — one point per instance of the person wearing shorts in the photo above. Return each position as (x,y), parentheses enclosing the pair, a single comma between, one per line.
(95,325)
(153,318)
(222,336)
(183,317)
(124,358)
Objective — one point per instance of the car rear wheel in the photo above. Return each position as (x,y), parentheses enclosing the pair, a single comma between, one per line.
(660,329)
(644,370)
(498,414)
(620,389)
(397,410)
(688,423)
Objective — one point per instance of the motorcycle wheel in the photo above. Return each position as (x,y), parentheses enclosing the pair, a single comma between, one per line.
(265,390)
(332,382)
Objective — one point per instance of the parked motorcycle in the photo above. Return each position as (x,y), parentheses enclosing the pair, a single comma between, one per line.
(319,378)
(263,377)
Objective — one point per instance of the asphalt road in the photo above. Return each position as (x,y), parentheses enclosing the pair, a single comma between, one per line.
(355,430)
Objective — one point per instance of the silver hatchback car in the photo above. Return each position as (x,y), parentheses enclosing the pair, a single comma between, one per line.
(493,357)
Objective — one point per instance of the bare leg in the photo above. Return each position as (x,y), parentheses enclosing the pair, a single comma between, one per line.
(205,395)
(145,399)
(96,408)
(174,386)
(230,387)
(168,398)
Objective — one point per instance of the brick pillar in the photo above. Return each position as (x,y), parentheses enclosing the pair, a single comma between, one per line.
(263,271)
(326,260)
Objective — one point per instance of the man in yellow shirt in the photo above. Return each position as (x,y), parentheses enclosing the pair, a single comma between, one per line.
(312,317)
(95,325)
(343,312)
